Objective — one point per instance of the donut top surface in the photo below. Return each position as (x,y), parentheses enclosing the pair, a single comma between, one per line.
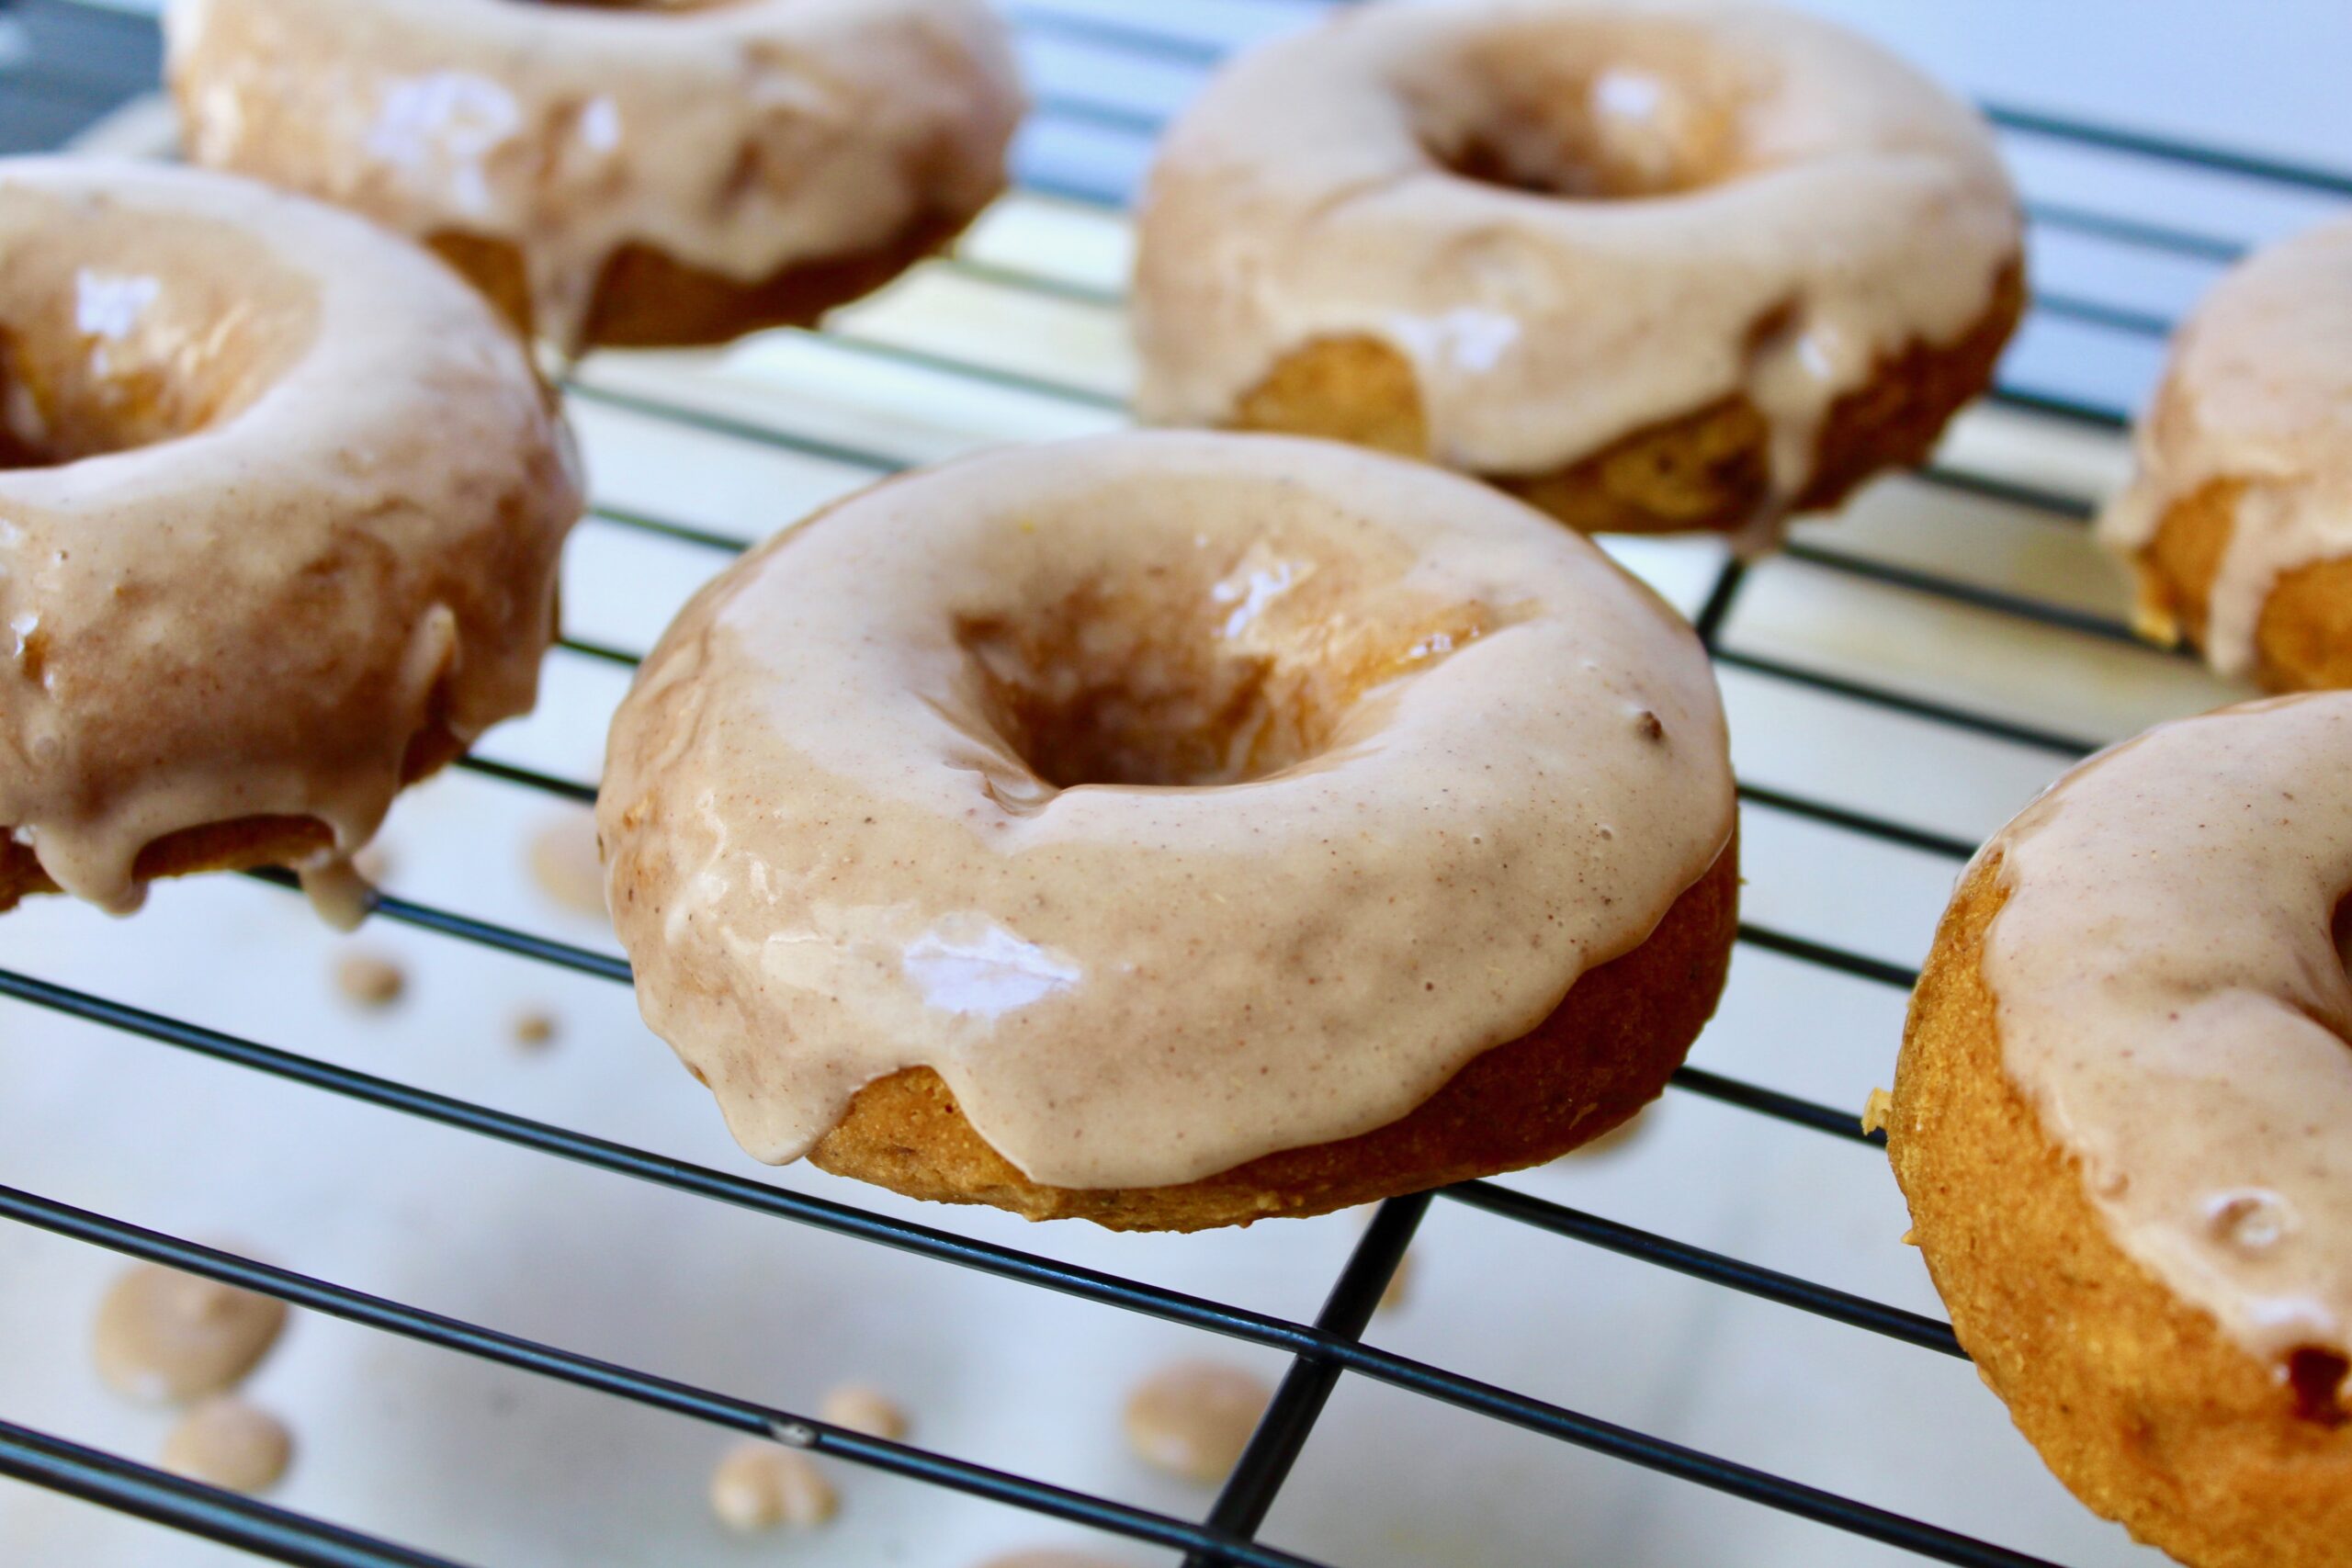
(2259,392)
(278,493)
(1577,221)
(739,137)
(1178,798)
(2173,1003)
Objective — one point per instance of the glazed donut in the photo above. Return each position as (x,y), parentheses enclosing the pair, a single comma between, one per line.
(2239,519)
(1650,267)
(280,506)
(1174,830)
(625,172)
(2120,1122)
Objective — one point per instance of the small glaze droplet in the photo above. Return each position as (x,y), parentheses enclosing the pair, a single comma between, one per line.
(760,1486)
(226,1443)
(369,981)
(166,1337)
(565,864)
(1192,1419)
(867,1410)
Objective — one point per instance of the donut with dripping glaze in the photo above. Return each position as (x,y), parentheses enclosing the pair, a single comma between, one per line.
(1653,267)
(1174,830)
(630,172)
(2238,519)
(282,502)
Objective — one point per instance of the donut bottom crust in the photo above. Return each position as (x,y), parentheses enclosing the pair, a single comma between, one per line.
(2303,640)
(1600,1058)
(1706,470)
(2135,1399)
(647,299)
(242,844)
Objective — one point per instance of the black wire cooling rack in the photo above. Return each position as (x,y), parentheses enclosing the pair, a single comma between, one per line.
(61,65)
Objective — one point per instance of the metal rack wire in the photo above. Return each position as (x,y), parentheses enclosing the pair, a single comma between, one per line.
(1323,1350)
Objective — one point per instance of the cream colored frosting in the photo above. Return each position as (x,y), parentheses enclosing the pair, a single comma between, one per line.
(2172,1002)
(1758,203)
(2259,393)
(1404,759)
(739,138)
(304,499)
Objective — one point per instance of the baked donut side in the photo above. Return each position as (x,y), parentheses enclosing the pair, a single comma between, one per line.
(1651,267)
(1605,1052)
(2234,524)
(645,298)
(2138,1403)
(624,174)
(1707,471)
(2303,640)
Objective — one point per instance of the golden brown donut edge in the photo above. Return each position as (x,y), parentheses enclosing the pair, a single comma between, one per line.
(1602,1055)
(1707,470)
(2303,638)
(647,299)
(2137,1402)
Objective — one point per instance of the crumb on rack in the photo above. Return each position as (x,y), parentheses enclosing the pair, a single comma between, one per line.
(760,1486)
(534,1029)
(864,1409)
(1878,1111)
(370,981)
(228,1443)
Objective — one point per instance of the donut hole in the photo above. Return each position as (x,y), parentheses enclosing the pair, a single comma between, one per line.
(2316,1376)
(182,324)
(1576,112)
(1175,678)
(1085,694)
